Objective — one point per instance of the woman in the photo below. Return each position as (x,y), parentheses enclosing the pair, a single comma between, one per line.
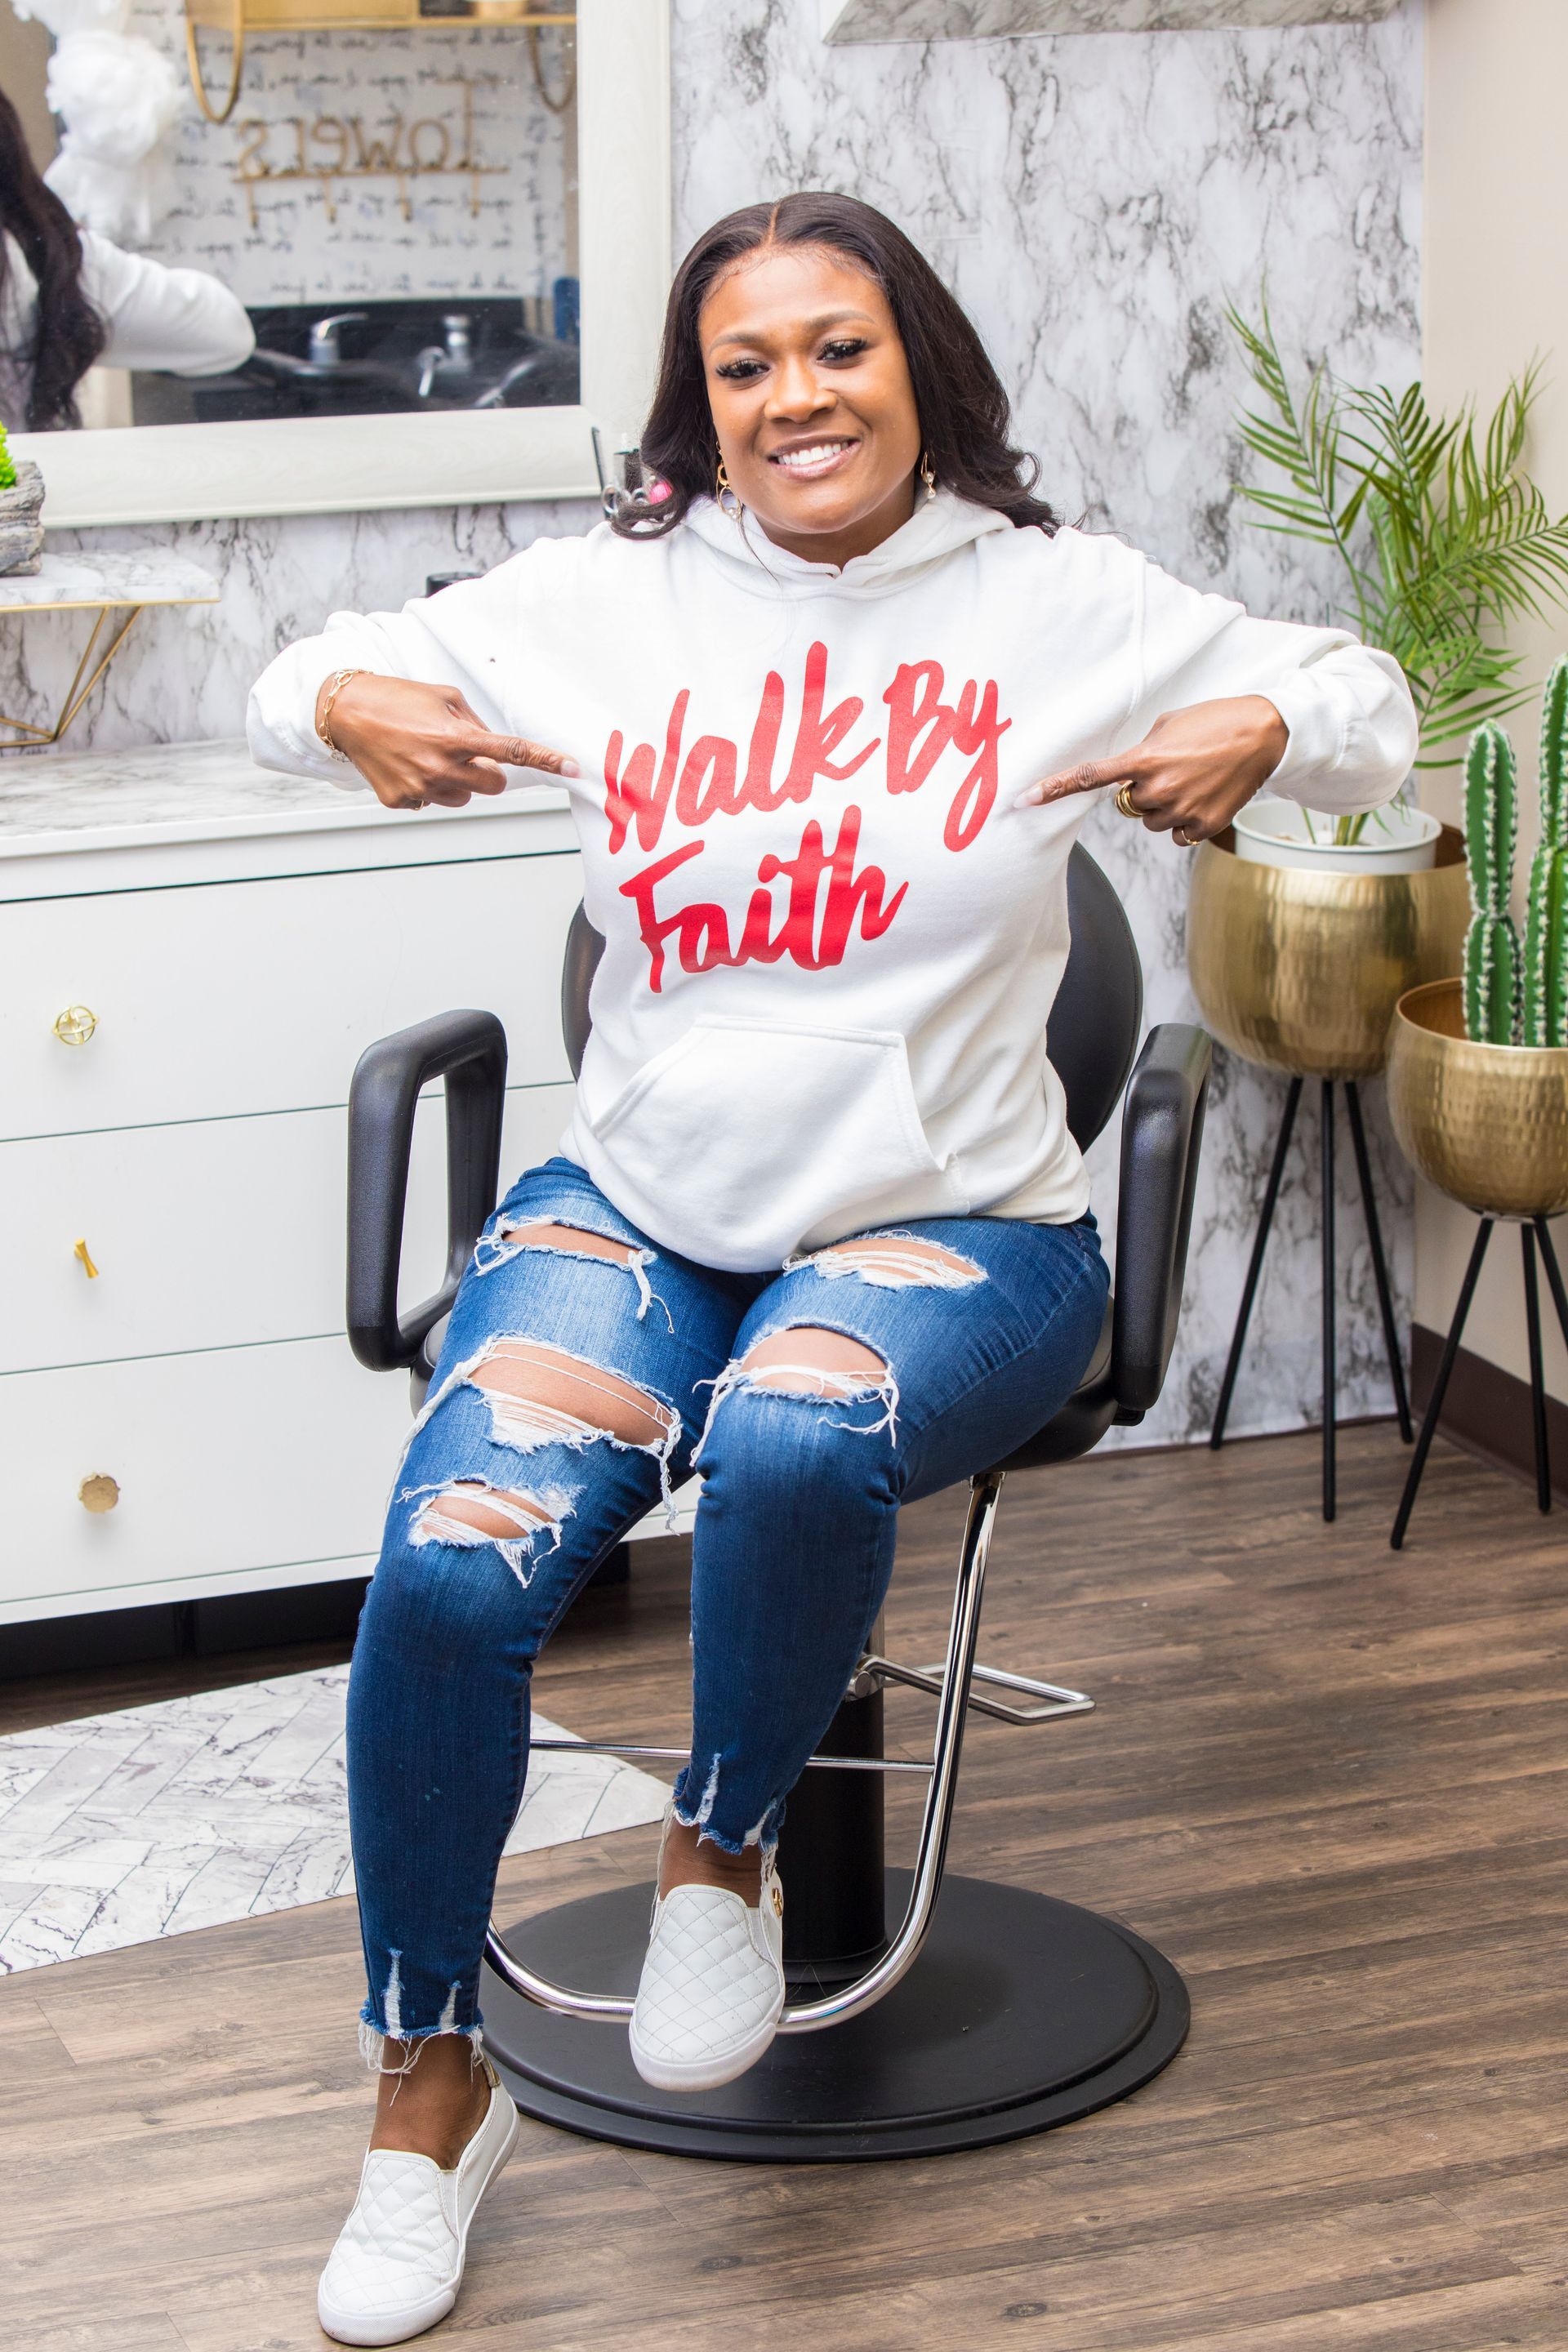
(70,300)
(832,700)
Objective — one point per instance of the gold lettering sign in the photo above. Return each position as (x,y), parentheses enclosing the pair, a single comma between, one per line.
(338,147)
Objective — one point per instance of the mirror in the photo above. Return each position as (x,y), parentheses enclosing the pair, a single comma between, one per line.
(371,204)
(577,189)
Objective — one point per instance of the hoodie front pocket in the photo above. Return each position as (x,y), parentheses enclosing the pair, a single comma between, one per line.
(742,1141)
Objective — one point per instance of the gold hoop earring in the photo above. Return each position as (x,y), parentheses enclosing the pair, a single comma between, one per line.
(928,473)
(722,489)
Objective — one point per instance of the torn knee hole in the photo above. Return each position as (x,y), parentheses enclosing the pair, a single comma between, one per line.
(574,1241)
(538,1393)
(893,1262)
(467,1506)
(815,1362)
(470,1515)
(512,1237)
(812,1364)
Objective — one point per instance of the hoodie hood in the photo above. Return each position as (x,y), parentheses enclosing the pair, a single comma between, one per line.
(938,527)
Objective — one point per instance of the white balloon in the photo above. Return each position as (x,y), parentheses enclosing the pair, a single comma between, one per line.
(117,96)
(116,93)
(67,17)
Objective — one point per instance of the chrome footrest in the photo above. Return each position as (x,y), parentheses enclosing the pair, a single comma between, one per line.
(681,1755)
(951,1683)
(1059,1700)
(833,2008)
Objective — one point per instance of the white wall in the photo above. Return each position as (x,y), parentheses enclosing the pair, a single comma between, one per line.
(1496,298)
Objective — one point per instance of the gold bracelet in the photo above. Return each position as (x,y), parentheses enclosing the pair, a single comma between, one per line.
(335,685)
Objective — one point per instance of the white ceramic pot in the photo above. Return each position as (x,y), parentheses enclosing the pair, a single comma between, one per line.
(1397,839)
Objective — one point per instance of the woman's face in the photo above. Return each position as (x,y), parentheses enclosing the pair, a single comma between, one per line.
(811,401)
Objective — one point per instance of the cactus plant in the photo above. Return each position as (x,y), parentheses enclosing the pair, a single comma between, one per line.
(1545,1013)
(1491,943)
(7,463)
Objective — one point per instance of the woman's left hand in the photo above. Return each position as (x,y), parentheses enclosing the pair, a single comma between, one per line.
(1192,771)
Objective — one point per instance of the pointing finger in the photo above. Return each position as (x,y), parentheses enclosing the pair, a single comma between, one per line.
(517,751)
(1090,776)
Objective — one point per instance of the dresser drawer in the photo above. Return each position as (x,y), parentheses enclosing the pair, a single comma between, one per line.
(257,996)
(221,1233)
(242,1461)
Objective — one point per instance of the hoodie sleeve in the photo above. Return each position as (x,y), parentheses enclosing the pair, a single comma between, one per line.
(182,320)
(1353,725)
(465,637)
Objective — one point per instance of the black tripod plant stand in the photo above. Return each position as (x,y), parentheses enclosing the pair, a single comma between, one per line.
(1532,1230)
(1379,1267)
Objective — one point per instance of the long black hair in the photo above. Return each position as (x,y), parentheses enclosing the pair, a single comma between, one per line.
(67,333)
(963,409)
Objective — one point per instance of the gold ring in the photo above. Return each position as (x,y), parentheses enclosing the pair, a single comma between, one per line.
(1124,800)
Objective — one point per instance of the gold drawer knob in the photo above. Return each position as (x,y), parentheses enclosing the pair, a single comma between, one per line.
(99,1493)
(75,1025)
(82,1252)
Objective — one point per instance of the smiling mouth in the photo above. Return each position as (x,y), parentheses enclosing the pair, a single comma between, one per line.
(813,460)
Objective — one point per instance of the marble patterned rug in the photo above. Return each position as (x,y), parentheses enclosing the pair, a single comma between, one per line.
(157,1820)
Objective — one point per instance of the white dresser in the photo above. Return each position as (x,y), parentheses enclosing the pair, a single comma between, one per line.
(193,955)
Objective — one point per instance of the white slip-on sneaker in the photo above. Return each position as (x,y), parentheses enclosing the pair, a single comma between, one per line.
(399,2263)
(712,1986)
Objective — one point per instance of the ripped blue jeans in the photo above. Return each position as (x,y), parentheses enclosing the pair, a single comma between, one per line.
(573,1389)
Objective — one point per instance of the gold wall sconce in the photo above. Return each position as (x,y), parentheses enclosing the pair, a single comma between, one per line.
(240,18)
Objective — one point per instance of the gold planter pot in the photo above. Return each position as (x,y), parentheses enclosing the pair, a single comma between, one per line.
(1487,1124)
(1302,971)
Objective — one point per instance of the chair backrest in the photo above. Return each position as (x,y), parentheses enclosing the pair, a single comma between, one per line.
(1097,1017)
(1093,1031)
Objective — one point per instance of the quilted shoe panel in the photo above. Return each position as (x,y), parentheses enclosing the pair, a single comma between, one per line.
(712,1984)
(399,2245)
(398,2261)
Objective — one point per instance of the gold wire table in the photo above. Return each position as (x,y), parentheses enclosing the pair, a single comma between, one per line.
(107,586)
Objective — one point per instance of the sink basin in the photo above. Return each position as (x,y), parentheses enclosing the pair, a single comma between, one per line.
(381,363)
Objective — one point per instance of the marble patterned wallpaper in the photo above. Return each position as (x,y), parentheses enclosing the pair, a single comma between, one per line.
(315,98)
(1093,199)
(957,20)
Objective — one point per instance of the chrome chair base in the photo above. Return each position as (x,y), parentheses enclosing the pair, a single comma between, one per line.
(1020,2013)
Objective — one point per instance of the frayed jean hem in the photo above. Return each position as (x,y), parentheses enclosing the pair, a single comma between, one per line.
(765,1835)
(373,2039)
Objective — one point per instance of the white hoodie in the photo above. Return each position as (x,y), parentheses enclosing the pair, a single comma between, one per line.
(831,940)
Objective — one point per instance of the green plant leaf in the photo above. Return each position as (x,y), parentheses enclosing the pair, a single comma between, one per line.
(1443,540)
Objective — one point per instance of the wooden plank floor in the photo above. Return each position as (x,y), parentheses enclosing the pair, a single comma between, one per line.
(1328,1779)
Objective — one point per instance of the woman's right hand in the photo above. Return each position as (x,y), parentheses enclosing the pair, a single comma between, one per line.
(415,744)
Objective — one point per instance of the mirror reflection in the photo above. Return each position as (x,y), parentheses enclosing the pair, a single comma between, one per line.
(273,208)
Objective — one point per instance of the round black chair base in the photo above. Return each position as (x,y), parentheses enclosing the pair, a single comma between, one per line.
(1021,2013)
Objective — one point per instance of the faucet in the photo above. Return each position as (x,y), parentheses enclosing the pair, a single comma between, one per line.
(324,350)
(455,355)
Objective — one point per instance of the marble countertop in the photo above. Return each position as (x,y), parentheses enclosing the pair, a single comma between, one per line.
(193,791)
(151,576)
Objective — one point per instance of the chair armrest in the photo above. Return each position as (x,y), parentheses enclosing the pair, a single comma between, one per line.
(1162,1133)
(468,1050)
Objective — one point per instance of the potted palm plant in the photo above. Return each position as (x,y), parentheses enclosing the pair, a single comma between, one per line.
(1299,948)
(1305,930)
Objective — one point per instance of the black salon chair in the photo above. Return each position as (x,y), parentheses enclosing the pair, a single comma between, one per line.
(998,2011)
